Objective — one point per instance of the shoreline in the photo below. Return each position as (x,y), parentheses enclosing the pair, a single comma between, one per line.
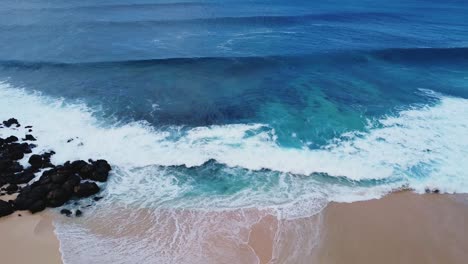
(402,227)
(24,194)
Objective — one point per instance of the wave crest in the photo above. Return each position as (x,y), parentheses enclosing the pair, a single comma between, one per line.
(420,146)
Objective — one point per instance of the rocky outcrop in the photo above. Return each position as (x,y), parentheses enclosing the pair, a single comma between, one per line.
(10,122)
(56,185)
(5,208)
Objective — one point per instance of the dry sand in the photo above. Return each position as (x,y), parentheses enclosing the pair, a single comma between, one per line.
(28,239)
(400,228)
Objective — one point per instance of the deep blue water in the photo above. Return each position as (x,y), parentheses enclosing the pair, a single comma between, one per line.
(317,96)
(82,31)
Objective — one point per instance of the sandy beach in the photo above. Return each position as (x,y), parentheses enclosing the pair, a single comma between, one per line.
(28,239)
(400,228)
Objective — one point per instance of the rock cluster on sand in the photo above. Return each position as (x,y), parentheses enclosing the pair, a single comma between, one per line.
(56,185)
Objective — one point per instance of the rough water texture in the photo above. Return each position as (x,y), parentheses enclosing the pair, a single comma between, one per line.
(249,108)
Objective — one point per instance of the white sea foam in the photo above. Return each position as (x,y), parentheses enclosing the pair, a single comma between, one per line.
(423,147)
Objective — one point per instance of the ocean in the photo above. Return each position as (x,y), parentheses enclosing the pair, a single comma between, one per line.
(224,107)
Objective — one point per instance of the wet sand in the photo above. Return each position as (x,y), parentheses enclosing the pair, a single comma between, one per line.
(28,239)
(400,228)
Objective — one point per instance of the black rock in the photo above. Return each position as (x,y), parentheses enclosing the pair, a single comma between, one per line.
(34,192)
(98,176)
(16,155)
(36,161)
(5,208)
(78,164)
(78,213)
(10,139)
(71,183)
(37,206)
(60,177)
(66,212)
(21,178)
(10,122)
(10,148)
(45,178)
(97,198)
(14,151)
(102,169)
(29,137)
(31,145)
(102,166)
(5,163)
(86,171)
(57,197)
(28,127)
(12,188)
(32,169)
(86,189)
(51,186)
(48,154)
(15,167)
(23,203)
(66,165)
(26,148)
(97,171)
(29,195)
(55,187)
(39,192)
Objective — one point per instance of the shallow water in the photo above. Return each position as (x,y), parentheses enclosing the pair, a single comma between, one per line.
(217,106)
